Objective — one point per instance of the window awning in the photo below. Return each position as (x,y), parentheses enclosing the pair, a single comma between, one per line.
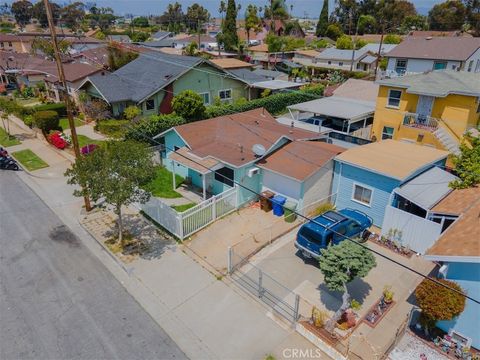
(185,157)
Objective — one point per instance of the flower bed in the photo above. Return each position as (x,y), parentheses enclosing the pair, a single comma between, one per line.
(59,140)
(392,245)
(377,312)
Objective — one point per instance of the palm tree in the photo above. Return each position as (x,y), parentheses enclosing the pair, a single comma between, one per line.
(222,8)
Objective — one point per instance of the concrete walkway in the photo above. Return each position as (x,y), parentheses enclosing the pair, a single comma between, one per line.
(208,318)
(87,130)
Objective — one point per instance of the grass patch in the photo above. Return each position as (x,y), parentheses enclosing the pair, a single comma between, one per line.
(162,185)
(184,207)
(29,159)
(65,125)
(6,140)
(28,102)
(85,140)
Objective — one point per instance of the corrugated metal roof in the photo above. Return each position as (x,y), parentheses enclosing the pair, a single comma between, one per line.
(427,189)
(341,107)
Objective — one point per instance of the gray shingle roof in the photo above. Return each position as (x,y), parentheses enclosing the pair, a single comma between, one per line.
(147,74)
(337,54)
(160,35)
(438,83)
(247,75)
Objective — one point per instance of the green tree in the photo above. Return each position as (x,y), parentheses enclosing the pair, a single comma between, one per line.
(449,15)
(472,8)
(22,11)
(467,164)
(45,47)
(139,36)
(140,21)
(414,22)
(73,14)
(252,21)
(191,49)
(173,18)
(392,39)
(46,121)
(39,13)
(367,24)
(118,57)
(344,42)
(114,172)
(229,37)
(394,12)
(131,112)
(189,105)
(437,302)
(341,264)
(196,15)
(346,15)
(322,24)
(151,126)
(102,17)
(334,31)
(275,43)
(222,8)
(319,44)
(279,10)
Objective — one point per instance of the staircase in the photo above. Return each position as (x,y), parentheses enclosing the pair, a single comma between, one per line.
(447,140)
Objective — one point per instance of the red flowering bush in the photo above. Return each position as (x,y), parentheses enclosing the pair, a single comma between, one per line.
(57,140)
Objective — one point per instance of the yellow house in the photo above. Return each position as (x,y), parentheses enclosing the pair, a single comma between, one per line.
(434,109)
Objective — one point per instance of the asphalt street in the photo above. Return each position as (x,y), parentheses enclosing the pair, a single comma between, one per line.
(57,300)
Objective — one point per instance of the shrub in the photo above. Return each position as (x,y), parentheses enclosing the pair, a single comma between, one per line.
(147,128)
(10,106)
(57,140)
(59,108)
(113,128)
(28,120)
(189,105)
(131,112)
(275,104)
(46,120)
(323,209)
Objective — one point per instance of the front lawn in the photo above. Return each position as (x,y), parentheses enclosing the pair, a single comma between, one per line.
(85,140)
(184,207)
(29,160)
(162,185)
(65,125)
(6,140)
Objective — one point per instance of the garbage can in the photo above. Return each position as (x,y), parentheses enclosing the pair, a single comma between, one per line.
(290,215)
(277,204)
(266,201)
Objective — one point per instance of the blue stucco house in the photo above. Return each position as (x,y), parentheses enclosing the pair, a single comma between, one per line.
(217,154)
(458,252)
(365,176)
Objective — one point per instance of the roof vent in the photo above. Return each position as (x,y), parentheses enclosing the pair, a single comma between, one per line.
(166,77)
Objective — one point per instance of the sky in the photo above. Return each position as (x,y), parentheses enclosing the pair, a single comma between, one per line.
(301,8)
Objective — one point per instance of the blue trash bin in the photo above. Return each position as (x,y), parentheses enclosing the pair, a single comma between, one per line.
(277,204)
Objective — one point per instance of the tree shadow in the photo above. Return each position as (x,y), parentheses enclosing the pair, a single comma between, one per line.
(358,290)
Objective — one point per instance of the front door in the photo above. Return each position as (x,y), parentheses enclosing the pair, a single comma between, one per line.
(425,105)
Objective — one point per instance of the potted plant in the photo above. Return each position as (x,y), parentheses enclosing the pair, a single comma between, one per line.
(388,294)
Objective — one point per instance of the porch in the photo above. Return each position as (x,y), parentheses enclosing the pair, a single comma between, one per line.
(422,122)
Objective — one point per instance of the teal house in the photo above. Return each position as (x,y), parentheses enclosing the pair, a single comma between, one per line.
(153,79)
(253,152)
(366,176)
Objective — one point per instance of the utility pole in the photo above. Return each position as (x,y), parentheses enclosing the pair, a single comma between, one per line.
(354,46)
(379,51)
(61,76)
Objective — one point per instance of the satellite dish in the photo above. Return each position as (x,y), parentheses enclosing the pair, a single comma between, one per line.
(258,149)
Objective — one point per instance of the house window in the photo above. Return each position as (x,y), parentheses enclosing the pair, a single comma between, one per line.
(387,132)
(225,95)
(340,63)
(205,97)
(10,43)
(401,66)
(477,67)
(394,98)
(150,104)
(439,65)
(329,62)
(362,194)
(225,176)
(2,45)
(470,66)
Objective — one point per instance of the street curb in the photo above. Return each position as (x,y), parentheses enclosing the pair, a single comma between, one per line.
(128,271)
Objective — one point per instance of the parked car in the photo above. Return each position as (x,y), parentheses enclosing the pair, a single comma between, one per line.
(330,228)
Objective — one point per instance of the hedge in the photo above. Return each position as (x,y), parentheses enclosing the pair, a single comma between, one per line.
(319,71)
(147,128)
(274,104)
(11,106)
(60,108)
(46,120)
(112,127)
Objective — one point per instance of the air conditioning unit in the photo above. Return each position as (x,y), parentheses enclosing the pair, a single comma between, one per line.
(253,171)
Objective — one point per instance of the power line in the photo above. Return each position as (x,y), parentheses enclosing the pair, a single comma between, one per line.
(316,222)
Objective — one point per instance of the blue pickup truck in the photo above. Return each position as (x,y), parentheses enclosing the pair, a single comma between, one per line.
(330,228)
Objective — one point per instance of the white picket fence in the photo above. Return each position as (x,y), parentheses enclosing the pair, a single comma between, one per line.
(194,219)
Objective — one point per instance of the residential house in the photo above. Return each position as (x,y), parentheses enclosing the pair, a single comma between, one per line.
(120,38)
(434,109)
(354,89)
(411,210)
(305,57)
(253,150)
(365,176)
(152,80)
(260,55)
(420,54)
(427,33)
(357,60)
(231,63)
(161,35)
(458,252)
(204,42)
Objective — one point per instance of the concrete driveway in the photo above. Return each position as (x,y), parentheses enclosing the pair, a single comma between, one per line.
(282,262)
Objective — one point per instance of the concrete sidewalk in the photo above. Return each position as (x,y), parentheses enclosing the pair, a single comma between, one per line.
(208,318)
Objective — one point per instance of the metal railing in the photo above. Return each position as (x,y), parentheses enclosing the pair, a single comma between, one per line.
(418,121)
